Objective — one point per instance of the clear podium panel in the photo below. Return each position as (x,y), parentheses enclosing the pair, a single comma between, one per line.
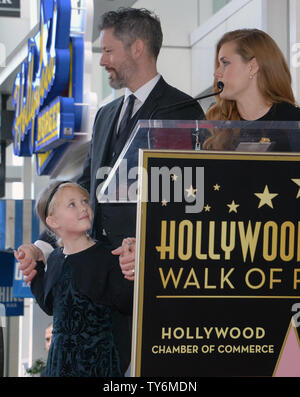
(217,278)
(119,184)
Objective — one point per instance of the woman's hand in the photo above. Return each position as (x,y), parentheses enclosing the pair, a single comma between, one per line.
(27,255)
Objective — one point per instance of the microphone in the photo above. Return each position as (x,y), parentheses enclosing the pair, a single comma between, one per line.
(220,86)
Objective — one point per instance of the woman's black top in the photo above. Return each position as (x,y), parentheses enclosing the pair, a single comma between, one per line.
(282,112)
(283,138)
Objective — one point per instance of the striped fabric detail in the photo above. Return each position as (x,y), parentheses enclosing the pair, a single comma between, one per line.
(18,225)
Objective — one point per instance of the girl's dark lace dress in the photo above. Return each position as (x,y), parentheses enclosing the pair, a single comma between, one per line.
(90,301)
(82,341)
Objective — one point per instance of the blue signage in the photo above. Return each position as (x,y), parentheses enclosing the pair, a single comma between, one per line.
(18,219)
(20,288)
(6,268)
(47,88)
(13,306)
(9,8)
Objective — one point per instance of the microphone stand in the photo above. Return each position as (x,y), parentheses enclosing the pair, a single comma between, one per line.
(220,86)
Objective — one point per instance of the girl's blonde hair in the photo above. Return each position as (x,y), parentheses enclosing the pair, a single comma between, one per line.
(273,78)
(46,201)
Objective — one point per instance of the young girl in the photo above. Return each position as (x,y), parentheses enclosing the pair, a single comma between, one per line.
(84,289)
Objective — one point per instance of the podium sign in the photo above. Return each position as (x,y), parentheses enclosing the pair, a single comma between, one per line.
(217,288)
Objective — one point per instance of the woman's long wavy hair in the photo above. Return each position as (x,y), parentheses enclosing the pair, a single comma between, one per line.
(273,78)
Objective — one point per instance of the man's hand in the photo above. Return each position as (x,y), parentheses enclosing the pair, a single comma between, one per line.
(127,257)
(27,255)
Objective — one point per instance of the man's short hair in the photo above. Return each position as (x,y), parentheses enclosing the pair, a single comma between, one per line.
(130,24)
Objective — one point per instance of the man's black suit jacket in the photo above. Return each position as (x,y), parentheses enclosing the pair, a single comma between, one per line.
(118,220)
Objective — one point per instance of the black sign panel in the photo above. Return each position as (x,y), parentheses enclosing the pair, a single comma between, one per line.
(218,284)
(9,8)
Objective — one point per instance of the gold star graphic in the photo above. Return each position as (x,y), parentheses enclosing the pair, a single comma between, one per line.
(266,197)
(164,203)
(217,187)
(174,177)
(233,206)
(207,208)
(191,191)
(297,181)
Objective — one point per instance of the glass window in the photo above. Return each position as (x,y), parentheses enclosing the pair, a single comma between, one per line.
(218,4)
(78,17)
(207,8)
(17,190)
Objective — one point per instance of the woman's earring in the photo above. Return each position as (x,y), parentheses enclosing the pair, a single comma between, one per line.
(251,76)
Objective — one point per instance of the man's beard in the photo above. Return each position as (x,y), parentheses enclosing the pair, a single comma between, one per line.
(117,81)
(120,79)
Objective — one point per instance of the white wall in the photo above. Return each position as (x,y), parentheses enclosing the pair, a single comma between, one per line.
(178,18)
(190,36)
(19,26)
(295,46)
(237,14)
(276,17)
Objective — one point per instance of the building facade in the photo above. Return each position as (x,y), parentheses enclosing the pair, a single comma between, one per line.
(191,30)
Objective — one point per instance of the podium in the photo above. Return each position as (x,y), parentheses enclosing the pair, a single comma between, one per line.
(217,282)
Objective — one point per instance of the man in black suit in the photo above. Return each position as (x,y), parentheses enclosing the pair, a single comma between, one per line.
(130,41)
